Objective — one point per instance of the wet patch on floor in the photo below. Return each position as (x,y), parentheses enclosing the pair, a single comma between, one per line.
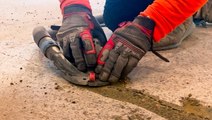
(193,106)
(191,109)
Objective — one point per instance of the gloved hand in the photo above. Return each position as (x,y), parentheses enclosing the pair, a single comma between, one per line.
(125,48)
(76,36)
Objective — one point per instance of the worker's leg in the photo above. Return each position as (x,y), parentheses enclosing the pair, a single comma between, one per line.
(117,11)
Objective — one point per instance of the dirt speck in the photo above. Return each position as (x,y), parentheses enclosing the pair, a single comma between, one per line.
(57,87)
(45,105)
(190,95)
(73,102)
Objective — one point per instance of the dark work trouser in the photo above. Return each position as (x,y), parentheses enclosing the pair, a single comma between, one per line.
(117,11)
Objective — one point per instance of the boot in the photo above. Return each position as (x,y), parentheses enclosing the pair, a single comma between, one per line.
(204,15)
(174,39)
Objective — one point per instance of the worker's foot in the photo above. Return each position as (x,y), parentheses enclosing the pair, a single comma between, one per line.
(204,15)
(174,39)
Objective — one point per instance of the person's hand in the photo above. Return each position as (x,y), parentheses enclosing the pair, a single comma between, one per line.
(124,49)
(76,36)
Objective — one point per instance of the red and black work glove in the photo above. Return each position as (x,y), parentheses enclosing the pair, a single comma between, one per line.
(125,48)
(76,36)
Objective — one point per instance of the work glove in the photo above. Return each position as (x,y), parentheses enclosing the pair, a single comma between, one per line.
(128,44)
(76,37)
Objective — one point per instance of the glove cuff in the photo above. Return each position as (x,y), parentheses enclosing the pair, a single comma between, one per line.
(75,8)
(145,22)
(147,26)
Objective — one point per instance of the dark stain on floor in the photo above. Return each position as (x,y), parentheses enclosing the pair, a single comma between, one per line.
(191,109)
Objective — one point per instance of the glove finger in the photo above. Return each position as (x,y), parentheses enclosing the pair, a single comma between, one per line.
(65,44)
(101,61)
(89,48)
(109,64)
(103,55)
(98,47)
(100,35)
(132,63)
(119,66)
(77,54)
